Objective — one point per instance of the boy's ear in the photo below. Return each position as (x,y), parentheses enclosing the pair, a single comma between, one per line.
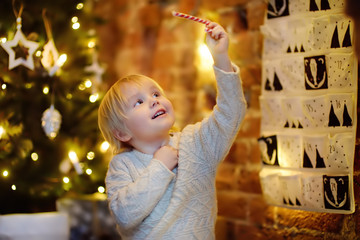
(119,135)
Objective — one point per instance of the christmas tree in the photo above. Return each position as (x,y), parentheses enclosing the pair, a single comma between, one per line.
(51,86)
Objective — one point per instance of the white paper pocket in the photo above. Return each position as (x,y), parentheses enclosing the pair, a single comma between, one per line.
(316,111)
(313,192)
(291,187)
(271,187)
(290,147)
(273,116)
(341,152)
(340,71)
(315,151)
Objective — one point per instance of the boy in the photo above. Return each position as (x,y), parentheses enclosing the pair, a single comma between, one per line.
(163,185)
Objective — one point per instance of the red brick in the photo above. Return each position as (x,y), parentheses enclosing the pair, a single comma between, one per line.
(235,3)
(326,222)
(309,236)
(357,217)
(184,106)
(187,55)
(232,204)
(132,40)
(247,77)
(244,46)
(255,14)
(225,176)
(230,229)
(357,188)
(166,34)
(255,70)
(255,154)
(254,102)
(357,156)
(243,231)
(186,6)
(231,20)
(260,212)
(251,124)
(239,152)
(165,58)
(150,15)
(211,5)
(222,228)
(164,77)
(249,181)
(184,81)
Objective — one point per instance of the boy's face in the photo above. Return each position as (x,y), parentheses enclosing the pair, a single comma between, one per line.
(150,115)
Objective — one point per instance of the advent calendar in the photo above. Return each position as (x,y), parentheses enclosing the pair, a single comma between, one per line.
(308,106)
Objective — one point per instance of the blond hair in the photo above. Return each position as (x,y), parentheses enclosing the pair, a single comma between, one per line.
(111,113)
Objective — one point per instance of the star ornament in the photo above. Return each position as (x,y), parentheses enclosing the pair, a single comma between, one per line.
(96,70)
(19,39)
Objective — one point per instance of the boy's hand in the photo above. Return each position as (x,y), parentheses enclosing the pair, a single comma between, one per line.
(168,156)
(218,43)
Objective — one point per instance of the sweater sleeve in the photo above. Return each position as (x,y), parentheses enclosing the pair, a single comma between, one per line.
(213,136)
(132,200)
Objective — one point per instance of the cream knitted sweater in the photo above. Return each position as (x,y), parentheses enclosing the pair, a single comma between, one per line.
(151,202)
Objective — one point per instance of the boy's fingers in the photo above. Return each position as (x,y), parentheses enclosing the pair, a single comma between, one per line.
(211,24)
(215,33)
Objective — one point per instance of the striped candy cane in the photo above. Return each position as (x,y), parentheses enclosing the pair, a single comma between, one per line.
(189,17)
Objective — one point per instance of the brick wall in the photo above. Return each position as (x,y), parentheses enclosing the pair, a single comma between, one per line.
(142,36)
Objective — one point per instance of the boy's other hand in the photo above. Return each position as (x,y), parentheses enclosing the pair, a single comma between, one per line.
(168,156)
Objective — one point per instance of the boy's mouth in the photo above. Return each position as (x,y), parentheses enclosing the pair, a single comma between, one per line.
(158,113)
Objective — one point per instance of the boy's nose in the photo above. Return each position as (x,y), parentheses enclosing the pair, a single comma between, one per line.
(154,102)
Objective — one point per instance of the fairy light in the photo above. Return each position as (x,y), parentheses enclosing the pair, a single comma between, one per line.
(88,171)
(13,187)
(53,135)
(62,59)
(81,87)
(46,90)
(3,40)
(73,156)
(69,96)
(93,97)
(76,25)
(66,180)
(104,146)
(5,173)
(38,53)
(28,85)
(3,86)
(91,44)
(79,6)
(2,131)
(101,189)
(34,156)
(88,83)
(90,155)
(74,19)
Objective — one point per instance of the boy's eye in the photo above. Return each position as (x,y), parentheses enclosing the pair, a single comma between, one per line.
(138,102)
(156,94)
